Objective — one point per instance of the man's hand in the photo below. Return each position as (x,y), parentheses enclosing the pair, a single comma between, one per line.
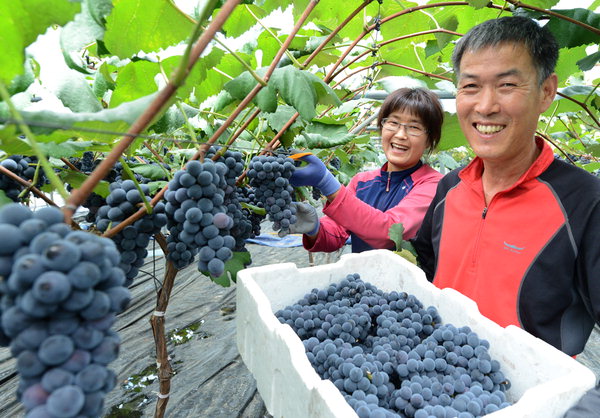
(307,221)
(315,174)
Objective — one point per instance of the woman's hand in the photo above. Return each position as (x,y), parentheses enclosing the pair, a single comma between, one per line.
(315,174)
(307,221)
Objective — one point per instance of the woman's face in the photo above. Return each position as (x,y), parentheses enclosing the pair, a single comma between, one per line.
(404,139)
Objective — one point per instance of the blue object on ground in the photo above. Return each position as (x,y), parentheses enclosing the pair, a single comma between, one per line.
(273,240)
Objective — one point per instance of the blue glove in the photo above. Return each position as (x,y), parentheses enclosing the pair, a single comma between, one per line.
(315,174)
(307,221)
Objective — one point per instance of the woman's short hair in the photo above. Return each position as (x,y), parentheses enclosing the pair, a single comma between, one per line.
(419,102)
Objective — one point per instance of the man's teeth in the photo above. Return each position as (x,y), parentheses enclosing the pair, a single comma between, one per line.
(399,147)
(489,129)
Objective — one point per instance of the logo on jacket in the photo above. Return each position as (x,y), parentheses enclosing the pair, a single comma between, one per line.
(513,248)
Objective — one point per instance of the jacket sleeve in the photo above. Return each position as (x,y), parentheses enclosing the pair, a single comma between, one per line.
(372,225)
(331,236)
(589,264)
(423,243)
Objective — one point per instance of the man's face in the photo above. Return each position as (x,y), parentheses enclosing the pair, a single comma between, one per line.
(499,101)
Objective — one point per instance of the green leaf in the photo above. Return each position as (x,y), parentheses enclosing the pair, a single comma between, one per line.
(478,4)
(240,86)
(103,81)
(451,23)
(75,92)
(149,26)
(155,186)
(173,119)
(77,34)
(587,63)
(4,200)
(151,171)
(297,89)
(317,140)
(21,21)
(396,234)
(240,21)
(567,62)
(22,81)
(228,68)
(99,9)
(325,94)
(76,179)
(278,119)
(569,34)
(255,209)
(452,135)
(223,100)
(65,149)
(118,119)
(238,262)
(135,80)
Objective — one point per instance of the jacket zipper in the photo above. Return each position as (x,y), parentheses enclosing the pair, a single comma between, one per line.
(478,239)
(387,187)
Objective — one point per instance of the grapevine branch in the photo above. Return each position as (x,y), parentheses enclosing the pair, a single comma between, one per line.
(583,106)
(162,99)
(335,32)
(517,3)
(393,64)
(412,35)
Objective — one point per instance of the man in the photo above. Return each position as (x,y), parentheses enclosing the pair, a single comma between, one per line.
(515,230)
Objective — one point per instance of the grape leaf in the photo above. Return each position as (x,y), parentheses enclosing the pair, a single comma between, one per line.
(4,200)
(566,33)
(148,26)
(587,63)
(238,262)
(76,35)
(151,171)
(21,21)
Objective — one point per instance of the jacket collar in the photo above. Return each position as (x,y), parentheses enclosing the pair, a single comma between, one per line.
(401,173)
(471,174)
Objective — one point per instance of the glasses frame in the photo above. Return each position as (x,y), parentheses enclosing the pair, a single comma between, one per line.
(406,127)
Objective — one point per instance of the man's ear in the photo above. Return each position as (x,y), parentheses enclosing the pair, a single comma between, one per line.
(549,87)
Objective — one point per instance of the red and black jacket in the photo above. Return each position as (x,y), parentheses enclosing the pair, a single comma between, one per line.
(531,258)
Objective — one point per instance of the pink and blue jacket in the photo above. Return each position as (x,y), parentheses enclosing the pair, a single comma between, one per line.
(371,203)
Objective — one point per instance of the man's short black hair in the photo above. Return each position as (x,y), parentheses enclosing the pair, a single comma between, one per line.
(538,40)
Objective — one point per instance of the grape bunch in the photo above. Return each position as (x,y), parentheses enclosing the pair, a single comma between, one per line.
(122,202)
(242,226)
(391,357)
(23,167)
(247,195)
(269,176)
(197,218)
(60,293)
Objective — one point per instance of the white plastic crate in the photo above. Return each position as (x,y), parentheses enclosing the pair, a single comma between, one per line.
(545,381)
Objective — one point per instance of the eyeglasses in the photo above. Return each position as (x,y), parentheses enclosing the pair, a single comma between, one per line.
(411,129)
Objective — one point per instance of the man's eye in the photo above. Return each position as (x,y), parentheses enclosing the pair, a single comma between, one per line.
(392,124)
(415,127)
(509,85)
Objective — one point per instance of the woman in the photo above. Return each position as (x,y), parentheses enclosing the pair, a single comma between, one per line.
(410,120)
